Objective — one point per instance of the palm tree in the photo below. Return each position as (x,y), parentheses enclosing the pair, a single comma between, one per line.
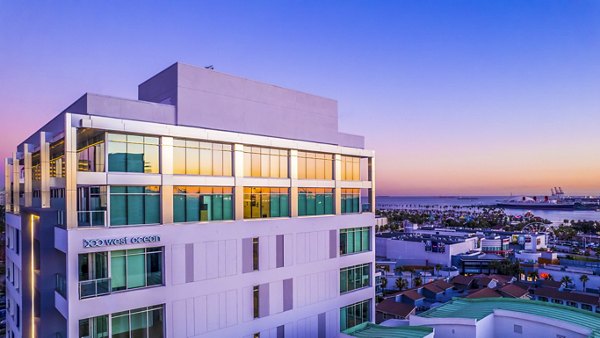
(401,283)
(566,280)
(584,279)
(533,275)
(438,267)
(383,283)
(418,281)
(549,277)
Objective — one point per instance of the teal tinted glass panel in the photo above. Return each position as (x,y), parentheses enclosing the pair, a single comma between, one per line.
(365,240)
(120,326)
(301,204)
(118,209)
(275,207)
(310,204)
(135,209)
(179,208)
(284,205)
(135,157)
(227,207)
(135,268)
(320,204)
(192,208)
(329,204)
(117,266)
(139,324)
(217,207)
(117,156)
(350,242)
(152,209)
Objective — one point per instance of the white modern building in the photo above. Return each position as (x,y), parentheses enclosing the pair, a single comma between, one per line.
(212,206)
(422,249)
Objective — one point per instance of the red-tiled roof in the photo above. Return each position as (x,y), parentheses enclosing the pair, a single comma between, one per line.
(512,290)
(437,286)
(462,280)
(413,294)
(577,297)
(550,283)
(390,306)
(484,293)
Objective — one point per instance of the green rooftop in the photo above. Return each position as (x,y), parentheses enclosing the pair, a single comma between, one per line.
(369,330)
(478,308)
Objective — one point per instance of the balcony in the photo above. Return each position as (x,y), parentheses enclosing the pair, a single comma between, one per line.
(94,288)
(91,219)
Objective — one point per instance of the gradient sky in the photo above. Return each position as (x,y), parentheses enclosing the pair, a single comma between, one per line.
(456,97)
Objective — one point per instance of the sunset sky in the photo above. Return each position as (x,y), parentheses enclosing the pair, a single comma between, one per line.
(456,97)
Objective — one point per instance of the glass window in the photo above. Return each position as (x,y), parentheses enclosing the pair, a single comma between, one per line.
(266,202)
(202,158)
(355,314)
(255,252)
(350,201)
(96,327)
(132,205)
(147,322)
(136,268)
(355,240)
(315,201)
(350,168)
(133,153)
(57,159)
(193,204)
(265,162)
(315,166)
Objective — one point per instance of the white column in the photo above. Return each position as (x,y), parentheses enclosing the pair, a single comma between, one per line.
(45,170)
(7,184)
(294,183)
(166,167)
(238,173)
(27,179)
(372,179)
(71,173)
(16,184)
(337,169)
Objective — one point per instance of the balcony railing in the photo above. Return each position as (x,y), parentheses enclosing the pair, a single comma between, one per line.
(94,288)
(91,218)
(61,285)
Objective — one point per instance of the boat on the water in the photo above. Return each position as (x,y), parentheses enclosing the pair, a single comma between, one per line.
(555,201)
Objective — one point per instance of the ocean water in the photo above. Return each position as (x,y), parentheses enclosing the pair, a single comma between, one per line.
(410,202)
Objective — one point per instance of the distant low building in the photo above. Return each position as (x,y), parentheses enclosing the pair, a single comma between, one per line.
(580,300)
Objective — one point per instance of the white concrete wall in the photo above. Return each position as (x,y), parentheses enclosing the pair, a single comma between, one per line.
(218,301)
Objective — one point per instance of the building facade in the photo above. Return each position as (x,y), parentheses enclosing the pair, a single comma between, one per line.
(211,206)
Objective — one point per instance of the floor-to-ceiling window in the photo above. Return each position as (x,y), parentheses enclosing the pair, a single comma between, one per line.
(315,166)
(355,314)
(350,201)
(315,201)
(265,162)
(133,153)
(90,150)
(133,205)
(266,202)
(355,277)
(193,204)
(146,322)
(355,240)
(103,272)
(202,158)
(350,168)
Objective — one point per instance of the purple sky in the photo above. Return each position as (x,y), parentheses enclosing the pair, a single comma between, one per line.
(456,97)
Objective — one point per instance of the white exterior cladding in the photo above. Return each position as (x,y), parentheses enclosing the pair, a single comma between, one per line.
(205,291)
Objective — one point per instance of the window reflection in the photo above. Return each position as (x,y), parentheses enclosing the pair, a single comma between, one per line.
(265,162)
(201,158)
(266,202)
(133,153)
(350,168)
(315,201)
(315,166)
